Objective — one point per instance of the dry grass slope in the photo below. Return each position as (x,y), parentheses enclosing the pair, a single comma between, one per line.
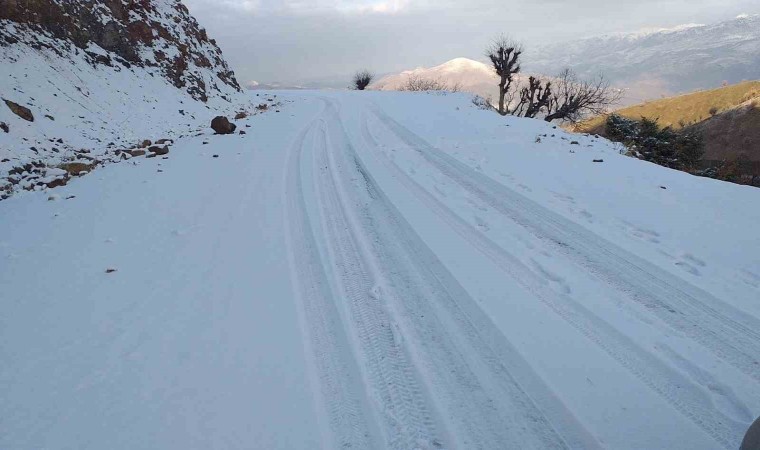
(732,133)
(684,110)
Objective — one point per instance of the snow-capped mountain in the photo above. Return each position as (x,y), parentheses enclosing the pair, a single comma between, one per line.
(662,61)
(472,76)
(463,71)
(99,76)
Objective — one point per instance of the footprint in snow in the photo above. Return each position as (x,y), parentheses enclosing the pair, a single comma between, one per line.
(552,277)
(690,263)
(643,233)
(751,279)
(376,293)
(586,215)
(693,259)
(688,268)
(476,204)
(481,224)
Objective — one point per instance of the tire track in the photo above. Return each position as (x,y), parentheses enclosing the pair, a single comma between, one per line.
(468,364)
(335,369)
(730,334)
(407,420)
(677,389)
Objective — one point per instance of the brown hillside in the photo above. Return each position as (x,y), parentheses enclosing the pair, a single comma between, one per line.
(731,133)
(728,117)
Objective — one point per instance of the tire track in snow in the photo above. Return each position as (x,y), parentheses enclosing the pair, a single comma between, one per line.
(336,371)
(677,389)
(729,333)
(467,364)
(407,420)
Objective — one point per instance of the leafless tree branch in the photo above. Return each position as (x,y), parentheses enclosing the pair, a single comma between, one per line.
(572,99)
(417,83)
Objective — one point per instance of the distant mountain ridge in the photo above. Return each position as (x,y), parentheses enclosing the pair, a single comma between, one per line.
(662,62)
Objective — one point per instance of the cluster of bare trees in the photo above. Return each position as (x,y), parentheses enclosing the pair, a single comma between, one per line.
(418,83)
(564,97)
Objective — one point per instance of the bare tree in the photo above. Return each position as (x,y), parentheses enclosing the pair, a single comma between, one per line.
(504,54)
(534,98)
(418,83)
(362,79)
(571,99)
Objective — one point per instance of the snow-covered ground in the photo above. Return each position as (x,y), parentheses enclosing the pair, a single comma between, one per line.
(381,270)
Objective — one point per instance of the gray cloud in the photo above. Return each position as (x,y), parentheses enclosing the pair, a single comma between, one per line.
(296,40)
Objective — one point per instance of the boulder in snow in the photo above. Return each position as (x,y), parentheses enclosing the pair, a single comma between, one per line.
(159,149)
(221,125)
(76,168)
(4,127)
(57,182)
(21,111)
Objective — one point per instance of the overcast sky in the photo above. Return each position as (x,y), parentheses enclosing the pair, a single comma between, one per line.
(297,40)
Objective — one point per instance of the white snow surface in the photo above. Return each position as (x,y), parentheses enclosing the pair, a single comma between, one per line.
(381,270)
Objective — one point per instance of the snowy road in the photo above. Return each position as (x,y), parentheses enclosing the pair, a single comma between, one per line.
(367,270)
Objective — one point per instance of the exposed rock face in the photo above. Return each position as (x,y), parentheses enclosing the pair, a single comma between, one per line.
(21,111)
(159,150)
(221,125)
(148,33)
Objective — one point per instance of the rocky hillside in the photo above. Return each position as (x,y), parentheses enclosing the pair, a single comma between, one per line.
(157,34)
(83,80)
